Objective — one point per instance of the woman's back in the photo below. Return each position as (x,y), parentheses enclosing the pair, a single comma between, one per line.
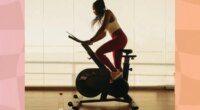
(113,24)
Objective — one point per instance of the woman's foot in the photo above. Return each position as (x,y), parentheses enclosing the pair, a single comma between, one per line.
(115,75)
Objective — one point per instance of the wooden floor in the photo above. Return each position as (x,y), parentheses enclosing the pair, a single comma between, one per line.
(145,99)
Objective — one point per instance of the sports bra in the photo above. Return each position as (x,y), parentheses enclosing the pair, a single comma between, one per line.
(112,26)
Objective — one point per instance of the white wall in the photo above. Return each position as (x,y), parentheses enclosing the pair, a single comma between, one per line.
(54,60)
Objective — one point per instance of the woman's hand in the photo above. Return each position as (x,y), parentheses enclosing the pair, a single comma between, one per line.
(88,42)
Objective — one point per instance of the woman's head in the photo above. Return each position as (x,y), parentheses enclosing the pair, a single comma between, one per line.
(99,7)
(99,10)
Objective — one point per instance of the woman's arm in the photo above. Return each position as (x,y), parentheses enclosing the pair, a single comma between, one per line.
(101,33)
(101,36)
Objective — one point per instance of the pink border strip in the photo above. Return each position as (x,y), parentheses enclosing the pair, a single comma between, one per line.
(187,55)
(12,55)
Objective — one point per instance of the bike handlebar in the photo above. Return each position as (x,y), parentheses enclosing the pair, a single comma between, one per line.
(74,38)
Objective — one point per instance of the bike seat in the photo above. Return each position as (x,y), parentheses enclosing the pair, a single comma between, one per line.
(127,51)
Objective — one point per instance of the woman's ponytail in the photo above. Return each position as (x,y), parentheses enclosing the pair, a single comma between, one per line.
(100,8)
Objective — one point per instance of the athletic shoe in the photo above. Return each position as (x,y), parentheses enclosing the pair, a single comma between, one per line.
(116,74)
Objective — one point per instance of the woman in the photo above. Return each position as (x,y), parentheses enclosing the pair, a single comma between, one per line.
(108,23)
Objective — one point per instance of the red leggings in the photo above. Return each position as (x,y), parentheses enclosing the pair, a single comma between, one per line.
(119,41)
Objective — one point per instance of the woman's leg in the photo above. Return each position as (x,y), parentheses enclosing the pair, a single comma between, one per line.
(117,56)
(105,48)
(111,46)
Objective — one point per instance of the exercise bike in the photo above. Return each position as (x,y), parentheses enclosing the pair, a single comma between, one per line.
(92,82)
